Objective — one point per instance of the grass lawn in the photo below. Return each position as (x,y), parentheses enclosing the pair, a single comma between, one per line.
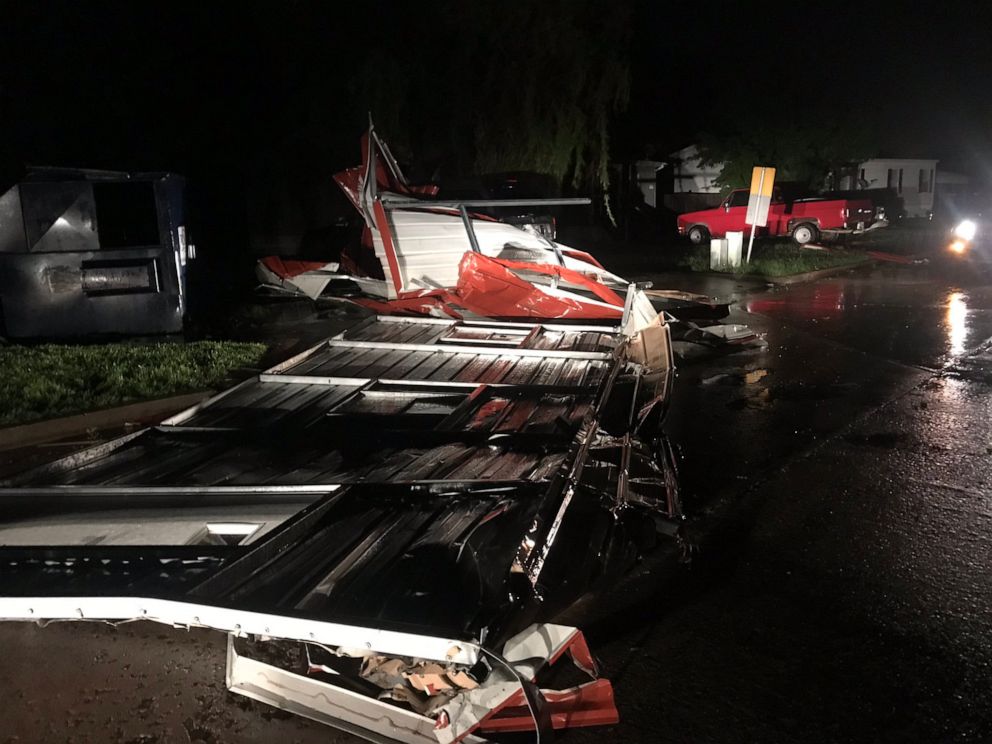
(773,259)
(40,382)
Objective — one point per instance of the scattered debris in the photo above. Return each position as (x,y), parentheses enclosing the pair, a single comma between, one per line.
(718,334)
(687,305)
(895,257)
(421,256)
(308,278)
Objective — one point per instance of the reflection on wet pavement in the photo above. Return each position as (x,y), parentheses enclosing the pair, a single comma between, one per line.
(842,590)
(912,315)
(755,375)
(957,319)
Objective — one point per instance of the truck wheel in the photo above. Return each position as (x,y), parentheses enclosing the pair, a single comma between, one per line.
(804,233)
(698,234)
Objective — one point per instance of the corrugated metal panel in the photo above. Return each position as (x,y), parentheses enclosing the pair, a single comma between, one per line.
(341,414)
(388,329)
(457,447)
(464,353)
(201,458)
(430,245)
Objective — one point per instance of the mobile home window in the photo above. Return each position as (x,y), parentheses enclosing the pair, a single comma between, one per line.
(926,182)
(890,179)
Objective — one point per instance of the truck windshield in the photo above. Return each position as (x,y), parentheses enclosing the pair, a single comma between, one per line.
(739,198)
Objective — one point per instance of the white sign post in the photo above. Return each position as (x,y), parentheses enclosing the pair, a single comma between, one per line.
(759,200)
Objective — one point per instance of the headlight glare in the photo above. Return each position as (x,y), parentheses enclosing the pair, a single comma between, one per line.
(966,230)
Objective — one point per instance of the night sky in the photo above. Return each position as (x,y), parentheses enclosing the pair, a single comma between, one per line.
(210,89)
(919,73)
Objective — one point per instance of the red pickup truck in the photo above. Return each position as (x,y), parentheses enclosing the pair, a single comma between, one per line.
(804,219)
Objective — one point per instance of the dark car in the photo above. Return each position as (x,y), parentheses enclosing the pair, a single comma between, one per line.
(542,221)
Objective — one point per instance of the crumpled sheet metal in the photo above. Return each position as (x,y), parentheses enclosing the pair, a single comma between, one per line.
(421,248)
(589,704)
(309,278)
(718,335)
(494,288)
(463,712)
(523,656)
(329,704)
(430,268)
(388,175)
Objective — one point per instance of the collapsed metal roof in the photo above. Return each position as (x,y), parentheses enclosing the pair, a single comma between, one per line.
(414,488)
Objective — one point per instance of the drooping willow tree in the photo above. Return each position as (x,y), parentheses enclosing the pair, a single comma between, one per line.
(490,86)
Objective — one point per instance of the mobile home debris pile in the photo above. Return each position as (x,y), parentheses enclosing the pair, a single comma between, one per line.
(387,524)
(411,500)
(421,256)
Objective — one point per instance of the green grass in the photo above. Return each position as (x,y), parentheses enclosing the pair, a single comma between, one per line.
(776,259)
(40,382)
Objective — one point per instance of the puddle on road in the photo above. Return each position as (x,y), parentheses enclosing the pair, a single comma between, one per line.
(883,439)
(764,397)
(761,399)
(749,377)
(801,391)
(755,375)
(957,323)
(761,396)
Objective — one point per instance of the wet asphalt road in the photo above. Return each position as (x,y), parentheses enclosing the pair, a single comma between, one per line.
(840,485)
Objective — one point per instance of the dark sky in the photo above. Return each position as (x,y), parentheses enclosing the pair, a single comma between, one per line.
(129,85)
(918,72)
(196,87)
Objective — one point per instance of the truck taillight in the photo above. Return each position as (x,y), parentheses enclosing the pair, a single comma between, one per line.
(845,213)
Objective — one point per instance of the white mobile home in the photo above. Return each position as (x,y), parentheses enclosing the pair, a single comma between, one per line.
(912,179)
(690,176)
(680,182)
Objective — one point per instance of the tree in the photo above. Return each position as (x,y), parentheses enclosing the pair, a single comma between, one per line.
(801,151)
(492,86)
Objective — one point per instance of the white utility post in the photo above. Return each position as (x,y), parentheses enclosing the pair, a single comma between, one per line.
(759,200)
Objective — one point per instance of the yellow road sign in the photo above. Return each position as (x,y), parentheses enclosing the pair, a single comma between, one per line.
(762,183)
